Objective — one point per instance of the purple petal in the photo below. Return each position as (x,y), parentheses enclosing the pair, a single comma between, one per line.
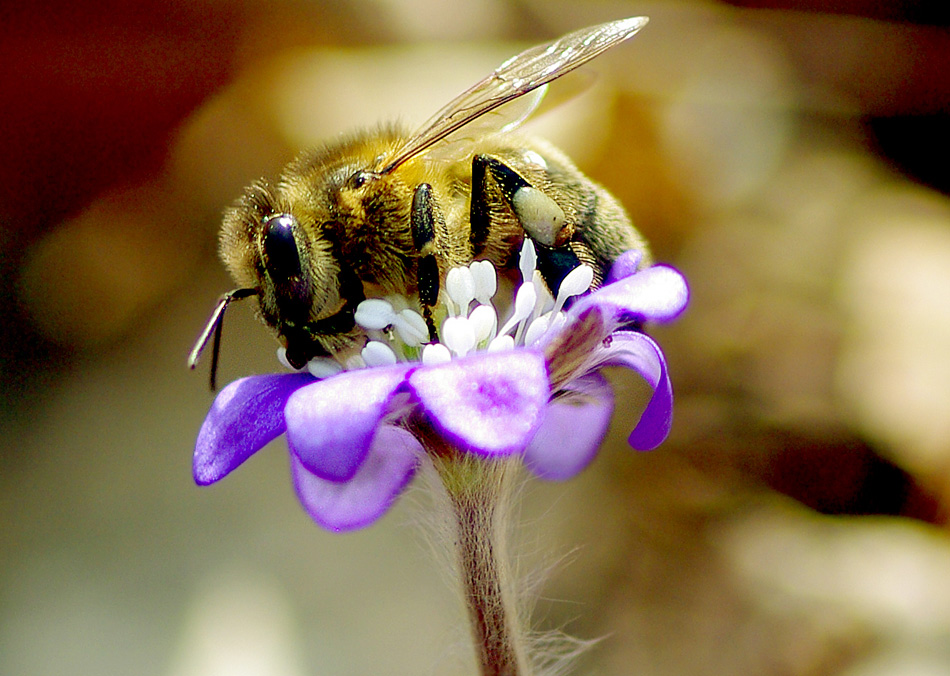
(488,403)
(356,503)
(572,431)
(638,352)
(627,263)
(657,294)
(331,423)
(245,416)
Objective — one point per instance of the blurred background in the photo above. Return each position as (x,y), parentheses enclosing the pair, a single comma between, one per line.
(789,156)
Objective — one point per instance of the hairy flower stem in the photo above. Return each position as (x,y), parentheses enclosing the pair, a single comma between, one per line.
(478,491)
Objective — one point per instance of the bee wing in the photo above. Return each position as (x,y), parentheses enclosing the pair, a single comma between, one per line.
(516,77)
(459,144)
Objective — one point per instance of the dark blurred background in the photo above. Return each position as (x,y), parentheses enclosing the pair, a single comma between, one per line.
(791,158)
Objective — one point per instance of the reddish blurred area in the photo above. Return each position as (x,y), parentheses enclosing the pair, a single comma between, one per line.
(90,92)
(89,96)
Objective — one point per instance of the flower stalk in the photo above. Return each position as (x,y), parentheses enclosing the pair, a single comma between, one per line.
(478,492)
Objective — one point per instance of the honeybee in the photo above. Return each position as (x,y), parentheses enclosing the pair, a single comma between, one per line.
(384,211)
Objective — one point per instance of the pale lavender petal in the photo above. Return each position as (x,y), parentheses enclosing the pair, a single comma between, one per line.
(245,417)
(657,294)
(356,503)
(331,423)
(573,428)
(627,263)
(488,403)
(637,351)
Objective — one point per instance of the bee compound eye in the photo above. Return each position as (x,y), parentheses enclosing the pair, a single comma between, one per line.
(360,178)
(356,180)
(280,247)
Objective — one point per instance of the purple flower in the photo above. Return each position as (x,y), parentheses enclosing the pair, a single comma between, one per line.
(356,437)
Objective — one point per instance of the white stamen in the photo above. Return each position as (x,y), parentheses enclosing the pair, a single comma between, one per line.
(376,353)
(501,343)
(435,353)
(397,331)
(411,328)
(460,285)
(458,336)
(486,281)
(323,367)
(525,299)
(483,320)
(528,261)
(575,283)
(536,329)
(374,314)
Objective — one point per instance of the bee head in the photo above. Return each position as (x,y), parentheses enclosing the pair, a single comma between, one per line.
(285,256)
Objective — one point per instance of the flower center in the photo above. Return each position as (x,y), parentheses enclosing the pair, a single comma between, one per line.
(466,319)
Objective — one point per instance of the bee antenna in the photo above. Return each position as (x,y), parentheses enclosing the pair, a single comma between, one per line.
(214,326)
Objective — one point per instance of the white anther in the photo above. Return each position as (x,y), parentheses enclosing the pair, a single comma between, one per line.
(376,353)
(525,299)
(435,353)
(411,328)
(460,285)
(501,343)
(323,367)
(486,281)
(458,336)
(374,314)
(528,261)
(484,321)
(576,282)
(536,329)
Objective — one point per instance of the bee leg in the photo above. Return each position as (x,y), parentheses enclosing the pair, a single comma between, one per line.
(214,328)
(426,217)
(480,212)
(541,217)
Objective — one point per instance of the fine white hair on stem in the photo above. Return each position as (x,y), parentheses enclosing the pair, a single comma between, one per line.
(545,653)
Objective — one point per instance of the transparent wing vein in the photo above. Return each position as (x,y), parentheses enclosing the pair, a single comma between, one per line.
(516,77)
